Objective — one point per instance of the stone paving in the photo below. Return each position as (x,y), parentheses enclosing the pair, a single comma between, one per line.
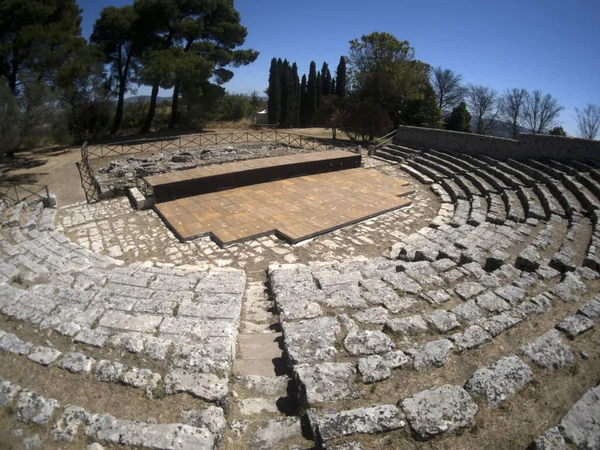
(471,315)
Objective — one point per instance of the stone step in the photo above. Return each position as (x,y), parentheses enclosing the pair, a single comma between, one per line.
(259,354)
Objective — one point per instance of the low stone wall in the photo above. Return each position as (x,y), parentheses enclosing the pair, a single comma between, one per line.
(526,147)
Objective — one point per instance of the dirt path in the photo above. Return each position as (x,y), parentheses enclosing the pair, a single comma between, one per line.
(55,169)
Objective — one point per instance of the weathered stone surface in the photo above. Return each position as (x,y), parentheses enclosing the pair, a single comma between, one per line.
(206,386)
(504,378)
(140,378)
(368,342)
(442,320)
(256,405)
(32,442)
(8,392)
(580,425)
(430,355)
(373,368)
(267,386)
(402,282)
(377,315)
(492,303)
(76,363)
(311,340)
(473,337)
(498,324)
(272,432)
(376,419)
(591,309)
(436,297)
(396,359)
(549,351)
(350,445)
(575,325)
(551,439)
(440,410)
(35,408)
(110,371)
(326,382)
(469,312)
(511,294)
(529,259)
(12,344)
(468,289)
(68,424)
(44,355)
(94,338)
(407,325)
(212,418)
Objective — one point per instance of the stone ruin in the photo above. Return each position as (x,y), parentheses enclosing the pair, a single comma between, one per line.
(476,330)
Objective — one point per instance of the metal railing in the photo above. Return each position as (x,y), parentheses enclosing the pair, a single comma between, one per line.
(15,193)
(199,140)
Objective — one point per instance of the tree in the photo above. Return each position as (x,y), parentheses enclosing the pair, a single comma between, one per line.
(311,96)
(483,104)
(37,39)
(384,69)
(588,121)
(286,96)
(295,98)
(364,118)
(234,107)
(303,102)
(448,88)
(430,114)
(319,89)
(114,33)
(340,78)
(541,111)
(511,109)
(326,80)
(459,119)
(329,114)
(274,93)
(205,41)
(557,131)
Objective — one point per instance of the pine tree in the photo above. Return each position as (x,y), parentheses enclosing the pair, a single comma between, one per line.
(340,74)
(274,93)
(286,96)
(311,95)
(460,119)
(303,102)
(430,114)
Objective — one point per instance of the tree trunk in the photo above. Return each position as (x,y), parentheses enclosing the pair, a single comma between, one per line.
(119,113)
(175,106)
(152,110)
(12,78)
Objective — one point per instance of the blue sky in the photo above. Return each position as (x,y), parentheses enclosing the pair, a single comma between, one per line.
(548,45)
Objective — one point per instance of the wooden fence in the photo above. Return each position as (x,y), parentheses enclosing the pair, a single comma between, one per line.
(199,140)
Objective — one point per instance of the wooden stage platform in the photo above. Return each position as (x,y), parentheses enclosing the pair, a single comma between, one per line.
(206,179)
(295,209)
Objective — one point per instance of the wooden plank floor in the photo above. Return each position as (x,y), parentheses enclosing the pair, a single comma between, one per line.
(295,208)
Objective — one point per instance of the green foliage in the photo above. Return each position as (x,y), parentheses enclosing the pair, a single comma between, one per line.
(341,78)
(10,115)
(557,131)
(274,93)
(363,118)
(384,69)
(309,105)
(234,107)
(459,119)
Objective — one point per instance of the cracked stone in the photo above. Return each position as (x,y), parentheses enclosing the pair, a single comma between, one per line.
(367,343)
(76,363)
(373,368)
(441,410)
(498,382)
(575,325)
(549,351)
(430,355)
(443,321)
(44,355)
(407,325)
(311,340)
(206,386)
(326,382)
(473,337)
(35,408)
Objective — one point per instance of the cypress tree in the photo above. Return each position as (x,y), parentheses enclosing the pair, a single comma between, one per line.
(332,86)
(286,91)
(311,95)
(319,89)
(303,101)
(460,119)
(274,103)
(295,105)
(341,79)
(326,80)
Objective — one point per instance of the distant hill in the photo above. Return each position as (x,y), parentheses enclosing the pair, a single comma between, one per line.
(146,99)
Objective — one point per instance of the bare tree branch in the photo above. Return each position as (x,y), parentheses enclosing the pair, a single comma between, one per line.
(541,111)
(511,106)
(448,88)
(483,104)
(588,121)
